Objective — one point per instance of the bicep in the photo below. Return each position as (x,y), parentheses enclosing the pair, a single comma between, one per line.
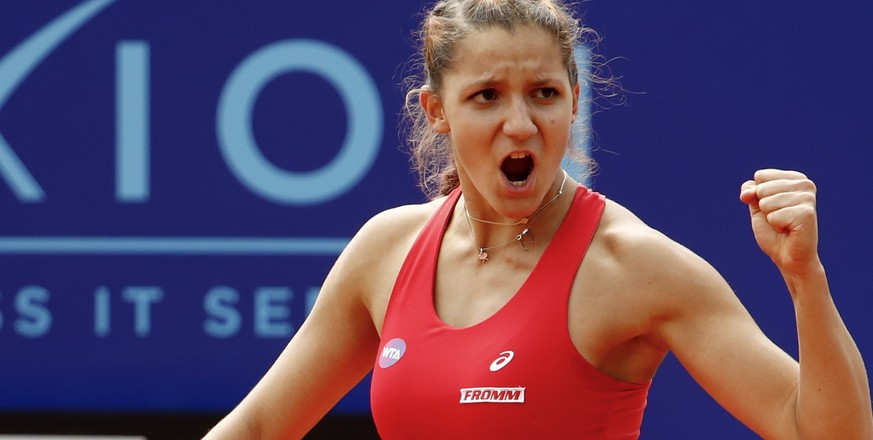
(721,346)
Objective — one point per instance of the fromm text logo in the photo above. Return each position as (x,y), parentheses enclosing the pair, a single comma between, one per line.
(492,395)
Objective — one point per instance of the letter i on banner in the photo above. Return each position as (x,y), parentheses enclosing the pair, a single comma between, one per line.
(132,120)
(101,312)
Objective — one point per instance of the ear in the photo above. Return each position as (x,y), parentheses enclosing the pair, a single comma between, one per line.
(433,109)
(575,101)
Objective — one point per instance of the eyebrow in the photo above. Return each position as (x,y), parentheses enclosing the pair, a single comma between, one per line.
(545,80)
(491,81)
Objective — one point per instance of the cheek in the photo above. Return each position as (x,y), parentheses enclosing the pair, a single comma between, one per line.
(557,124)
(557,131)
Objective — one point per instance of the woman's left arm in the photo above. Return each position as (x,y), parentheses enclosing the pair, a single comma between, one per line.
(833,395)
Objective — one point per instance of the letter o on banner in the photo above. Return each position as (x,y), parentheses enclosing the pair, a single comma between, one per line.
(363,133)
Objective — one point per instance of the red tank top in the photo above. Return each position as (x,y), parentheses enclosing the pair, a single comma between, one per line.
(516,374)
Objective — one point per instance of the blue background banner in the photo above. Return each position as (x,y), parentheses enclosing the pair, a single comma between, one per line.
(176,179)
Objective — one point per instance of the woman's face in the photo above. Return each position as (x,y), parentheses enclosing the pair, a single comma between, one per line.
(507,106)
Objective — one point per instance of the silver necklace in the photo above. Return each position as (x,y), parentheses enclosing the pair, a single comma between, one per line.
(482,251)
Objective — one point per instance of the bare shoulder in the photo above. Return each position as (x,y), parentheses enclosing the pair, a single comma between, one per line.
(643,266)
(624,239)
(393,230)
(371,261)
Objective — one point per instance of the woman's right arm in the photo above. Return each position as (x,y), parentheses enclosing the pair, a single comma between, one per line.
(330,353)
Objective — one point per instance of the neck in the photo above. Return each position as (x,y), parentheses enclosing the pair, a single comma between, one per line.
(488,238)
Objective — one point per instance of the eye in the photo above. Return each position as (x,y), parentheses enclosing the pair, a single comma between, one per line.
(546,93)
(486,95)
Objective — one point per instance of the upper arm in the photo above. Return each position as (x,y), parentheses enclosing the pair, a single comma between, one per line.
(336,345)
(710,332)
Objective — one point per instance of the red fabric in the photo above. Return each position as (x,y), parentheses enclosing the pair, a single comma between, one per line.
(419,385)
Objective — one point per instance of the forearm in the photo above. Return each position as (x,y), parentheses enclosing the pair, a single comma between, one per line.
(234,426)
(833,397)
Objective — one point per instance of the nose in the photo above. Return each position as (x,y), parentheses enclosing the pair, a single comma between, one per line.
(518,122)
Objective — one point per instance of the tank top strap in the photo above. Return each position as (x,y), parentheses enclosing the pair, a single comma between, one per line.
(554,273)
(414,285)
(570,244)
(547,289)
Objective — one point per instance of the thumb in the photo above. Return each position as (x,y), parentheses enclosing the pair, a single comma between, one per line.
(748,195)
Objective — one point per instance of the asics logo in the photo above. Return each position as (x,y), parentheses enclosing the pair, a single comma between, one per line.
(502,361)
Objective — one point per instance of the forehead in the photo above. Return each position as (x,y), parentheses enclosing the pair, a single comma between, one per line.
(494,53)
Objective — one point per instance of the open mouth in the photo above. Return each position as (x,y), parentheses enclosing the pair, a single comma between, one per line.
(517,168)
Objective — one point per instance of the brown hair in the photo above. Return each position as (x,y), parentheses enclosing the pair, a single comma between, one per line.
(442,29)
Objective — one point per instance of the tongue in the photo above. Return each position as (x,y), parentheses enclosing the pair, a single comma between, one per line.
(517,170)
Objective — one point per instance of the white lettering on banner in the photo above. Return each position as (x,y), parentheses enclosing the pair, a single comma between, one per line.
(272,316)
(102,311)
(143,298)
(234,113)
(14,69)
(224,319)
(272,302)
(363,132)
(492,395)
(35,320)
(271,311)
(132,122)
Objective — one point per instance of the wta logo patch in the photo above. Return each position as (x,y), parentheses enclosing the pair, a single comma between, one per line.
(392,352)
(492,395)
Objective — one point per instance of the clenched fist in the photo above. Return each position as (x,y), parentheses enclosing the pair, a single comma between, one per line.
(782,207)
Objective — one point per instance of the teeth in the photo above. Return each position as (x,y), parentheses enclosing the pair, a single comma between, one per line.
(515,168)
